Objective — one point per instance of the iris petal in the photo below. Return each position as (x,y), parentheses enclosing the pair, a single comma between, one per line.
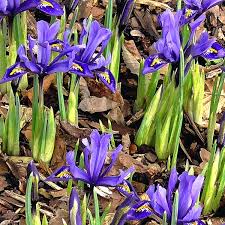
(57,45)
(81,69)
(15,71)
(216,51)
(153,63)
(107,78)
(140,211)
(50,7)
(74,208)
(61,174)
(114,180)
(26,5)
(126,188)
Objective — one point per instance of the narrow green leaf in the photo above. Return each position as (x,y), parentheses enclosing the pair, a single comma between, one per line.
(175,209)
(141,137)
(96,204)
(84,210)
(28,211)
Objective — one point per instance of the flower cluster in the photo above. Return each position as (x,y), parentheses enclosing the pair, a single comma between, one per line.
(10,8)
(158,200)
(95,173)
(83,59)
(169,45)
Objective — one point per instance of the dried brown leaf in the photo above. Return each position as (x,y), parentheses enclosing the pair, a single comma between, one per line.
(132,64)
(131,47)
(95,104)
(59,154)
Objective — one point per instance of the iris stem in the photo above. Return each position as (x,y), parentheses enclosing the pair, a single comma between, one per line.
(62,109)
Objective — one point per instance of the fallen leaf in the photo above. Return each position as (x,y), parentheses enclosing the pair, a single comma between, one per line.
(85,8)
(126,143)
(6,222)
(147,22)
(131,47)
(48,80)
(115,199)
(3,183)
(150,157)
(58,194)
(59,154)
(125,160)
(75,132)
(57,219)
(97,13)
(137,33)
(116,115)
(25,116)
(204,154)
(132,64)
(154,3)
(95,104)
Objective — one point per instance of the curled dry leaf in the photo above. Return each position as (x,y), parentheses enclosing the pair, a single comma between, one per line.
(125,160)
(97,13)
(132,64)
(18,166)
(3,183)
(131,47)
(147,22)
(77,133)
(116,115)
(59,154)
(126,143)
(137,33)
(57,219)
(154,3)
(26,116)
(95,104)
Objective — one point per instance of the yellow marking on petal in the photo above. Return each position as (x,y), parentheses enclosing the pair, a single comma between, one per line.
(17,70)
(46,4)
(75,66)
(144,197)
(188,13)
(212,50)
(106,77)
(64,173)
(125,187)
(143,208)
(156,61)
(58,46)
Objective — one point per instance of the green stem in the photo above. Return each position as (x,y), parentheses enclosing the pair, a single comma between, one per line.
(62,109)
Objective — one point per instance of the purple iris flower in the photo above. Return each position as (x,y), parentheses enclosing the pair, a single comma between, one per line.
(124,10)
(207,47)
(158,200)
(41,63)
(89,60)
(13,7)
(168,47)
(194,8)
(31,168)
(74,208)
(95,173)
